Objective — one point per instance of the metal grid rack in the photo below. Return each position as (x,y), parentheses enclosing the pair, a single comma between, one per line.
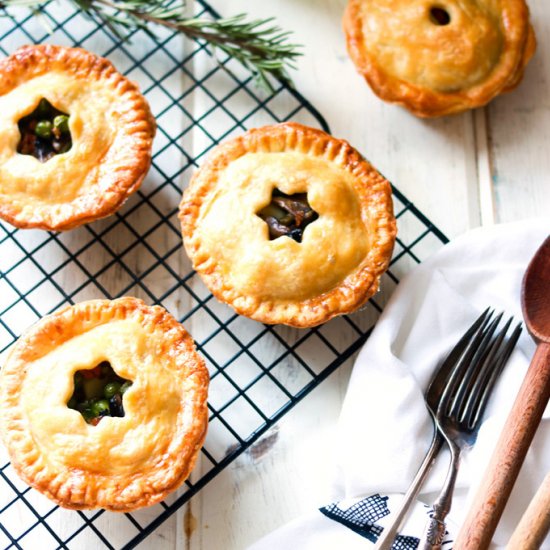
(257,372)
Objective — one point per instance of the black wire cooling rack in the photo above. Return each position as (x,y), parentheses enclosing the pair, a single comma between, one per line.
(257,372)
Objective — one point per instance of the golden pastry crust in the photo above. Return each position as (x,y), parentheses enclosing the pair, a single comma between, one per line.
(112,132)
(338,264)
(437,69)
(122,463)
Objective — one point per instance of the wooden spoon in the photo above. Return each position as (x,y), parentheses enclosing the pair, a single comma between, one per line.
(482,519)
(535,523)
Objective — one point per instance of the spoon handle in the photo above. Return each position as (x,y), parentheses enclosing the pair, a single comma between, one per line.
(535,523)
(482,519)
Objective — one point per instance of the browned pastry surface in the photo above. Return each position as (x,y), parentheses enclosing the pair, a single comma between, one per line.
(338,263)
(437,58)
(112,131)
(121,463)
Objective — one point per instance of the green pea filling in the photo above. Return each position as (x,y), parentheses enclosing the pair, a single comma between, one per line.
(98,392)
(45,132)
(288,215)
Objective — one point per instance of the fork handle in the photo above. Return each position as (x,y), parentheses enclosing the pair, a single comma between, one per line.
(434,534)
(387,537)
(435,530)
(518,432)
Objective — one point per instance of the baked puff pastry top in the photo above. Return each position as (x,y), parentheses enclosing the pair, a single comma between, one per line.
(111,127)
(342,254)
(439,57)
(122,463)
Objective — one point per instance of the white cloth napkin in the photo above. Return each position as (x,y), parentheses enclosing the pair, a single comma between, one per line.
(384,429)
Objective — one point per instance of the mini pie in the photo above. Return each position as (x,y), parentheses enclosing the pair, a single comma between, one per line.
(111,132)
(119,464)
(437,57)
(309,274)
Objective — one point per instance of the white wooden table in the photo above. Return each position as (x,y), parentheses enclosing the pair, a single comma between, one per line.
(481,167)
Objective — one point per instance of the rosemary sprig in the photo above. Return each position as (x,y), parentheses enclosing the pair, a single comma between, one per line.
(260,46)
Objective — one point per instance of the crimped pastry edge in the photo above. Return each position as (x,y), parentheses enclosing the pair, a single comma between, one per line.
(376,204)
(59,484)
(519,47)
(133,161)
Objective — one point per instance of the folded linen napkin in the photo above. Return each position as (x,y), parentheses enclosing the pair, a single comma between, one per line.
(385,430)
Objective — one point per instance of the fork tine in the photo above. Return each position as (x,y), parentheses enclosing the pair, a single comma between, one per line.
(444,372)
(460,346)
(463,363)
(483,374)
(503,354)
(481,359)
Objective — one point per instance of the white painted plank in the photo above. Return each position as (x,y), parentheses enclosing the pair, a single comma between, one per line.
(519,134)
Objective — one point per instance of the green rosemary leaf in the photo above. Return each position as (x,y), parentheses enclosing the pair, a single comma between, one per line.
(259,45)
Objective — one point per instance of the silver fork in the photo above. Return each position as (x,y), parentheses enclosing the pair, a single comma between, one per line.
(451,371)
(460,409)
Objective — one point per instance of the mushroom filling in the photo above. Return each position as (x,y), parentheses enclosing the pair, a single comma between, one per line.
(45,132)
(98,393)
(288,215)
